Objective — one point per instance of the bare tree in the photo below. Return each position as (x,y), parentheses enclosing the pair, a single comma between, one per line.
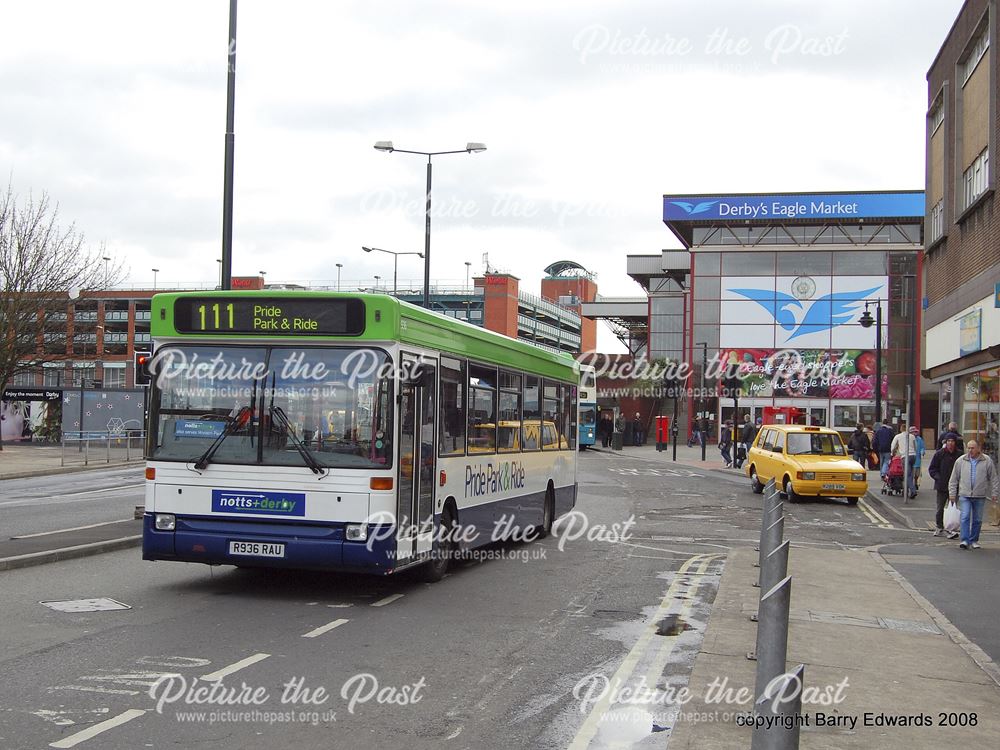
(42,267)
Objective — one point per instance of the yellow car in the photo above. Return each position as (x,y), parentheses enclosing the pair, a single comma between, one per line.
(805,462)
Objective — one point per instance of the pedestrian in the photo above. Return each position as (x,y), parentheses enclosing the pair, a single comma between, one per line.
(940,470)
(918,455)
(904,445)
(637,429)
(882,444)
(604,429)
(747,434)
(952,432)
(870,434)
(726,443)
(973,478)
(859,445)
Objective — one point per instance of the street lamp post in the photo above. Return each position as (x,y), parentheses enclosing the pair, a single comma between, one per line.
(470,148)
(155,271)
(377,280)
(701,395)
(339,266)
(395,262)
(106,260)
(866,322)
(468,267)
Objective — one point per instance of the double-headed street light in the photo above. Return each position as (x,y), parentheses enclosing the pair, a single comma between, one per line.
(339,266)
(866,321)
(470,148)
(395,262)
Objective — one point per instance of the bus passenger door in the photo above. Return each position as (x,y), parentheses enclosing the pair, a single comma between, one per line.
(417,459)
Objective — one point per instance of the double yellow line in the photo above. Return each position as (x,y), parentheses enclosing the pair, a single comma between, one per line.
(873,515)
(662,654)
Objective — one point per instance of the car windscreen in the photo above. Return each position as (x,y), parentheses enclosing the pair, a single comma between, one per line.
(814,444)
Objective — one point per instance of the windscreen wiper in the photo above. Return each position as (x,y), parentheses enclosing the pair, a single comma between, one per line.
(242,418)
(307,455)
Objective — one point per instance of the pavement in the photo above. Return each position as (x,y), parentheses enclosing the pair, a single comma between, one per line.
(854,617)
(22,461)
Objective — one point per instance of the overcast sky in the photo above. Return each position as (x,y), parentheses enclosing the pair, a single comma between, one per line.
(591,111)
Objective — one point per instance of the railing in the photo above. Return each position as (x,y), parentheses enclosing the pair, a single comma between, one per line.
(97,447)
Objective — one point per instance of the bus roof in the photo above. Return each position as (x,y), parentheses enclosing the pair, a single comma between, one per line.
(385,319)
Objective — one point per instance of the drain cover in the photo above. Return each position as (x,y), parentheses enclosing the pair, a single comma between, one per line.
(85,605)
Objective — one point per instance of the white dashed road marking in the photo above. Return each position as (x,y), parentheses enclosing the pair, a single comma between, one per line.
(236,667)
(82,736)
(324,628)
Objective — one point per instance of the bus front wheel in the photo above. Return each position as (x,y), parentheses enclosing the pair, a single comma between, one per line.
(436,567)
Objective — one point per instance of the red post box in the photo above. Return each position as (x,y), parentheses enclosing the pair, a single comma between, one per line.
(662,432)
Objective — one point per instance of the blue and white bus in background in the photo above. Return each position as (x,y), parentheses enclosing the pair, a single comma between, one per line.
(588,407)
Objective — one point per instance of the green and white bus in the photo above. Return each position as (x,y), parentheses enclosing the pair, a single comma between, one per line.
(347,432)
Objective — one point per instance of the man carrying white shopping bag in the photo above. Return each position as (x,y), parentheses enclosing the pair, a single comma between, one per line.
(972,480)
(940,471)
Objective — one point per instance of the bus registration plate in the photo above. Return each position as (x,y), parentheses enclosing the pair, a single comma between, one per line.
(257,549)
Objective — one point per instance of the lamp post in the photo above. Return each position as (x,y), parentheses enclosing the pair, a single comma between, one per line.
(470,148)
(701,395)
(377,279)
(395,261)
(339,266)
(468,267)
(155,271)
(866,322)
(106,260)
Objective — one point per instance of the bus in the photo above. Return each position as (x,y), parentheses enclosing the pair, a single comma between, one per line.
(350,432)
(588,406)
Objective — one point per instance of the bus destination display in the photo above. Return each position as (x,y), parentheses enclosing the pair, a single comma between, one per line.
(270,316)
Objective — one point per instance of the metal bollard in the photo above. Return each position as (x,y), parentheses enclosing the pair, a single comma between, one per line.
(86,451)
(772,534)
(766,519)
(782,701)
(775,566)
(109,448)
(772,634)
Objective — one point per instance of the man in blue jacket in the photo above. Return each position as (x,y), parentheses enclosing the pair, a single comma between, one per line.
(882,444)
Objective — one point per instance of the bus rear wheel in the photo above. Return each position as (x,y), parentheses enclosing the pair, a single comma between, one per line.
(440,558)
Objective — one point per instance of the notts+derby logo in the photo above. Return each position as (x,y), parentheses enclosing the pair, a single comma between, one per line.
(265,503)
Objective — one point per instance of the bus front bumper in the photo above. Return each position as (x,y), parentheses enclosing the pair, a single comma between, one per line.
(304,546)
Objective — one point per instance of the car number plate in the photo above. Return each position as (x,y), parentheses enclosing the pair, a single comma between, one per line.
(834,487)
(257,549)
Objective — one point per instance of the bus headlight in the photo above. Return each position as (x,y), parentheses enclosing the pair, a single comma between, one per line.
(858,477)
(356,532)
(164,521)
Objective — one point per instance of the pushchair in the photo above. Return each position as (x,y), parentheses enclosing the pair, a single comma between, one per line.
(892,480)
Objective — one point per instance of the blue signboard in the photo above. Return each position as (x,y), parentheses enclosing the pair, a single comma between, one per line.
(970,333)
(792,206)
(259,502)
(198,428)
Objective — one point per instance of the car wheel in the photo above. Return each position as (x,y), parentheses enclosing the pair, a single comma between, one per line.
(852,500)
(755,484)
(790,492)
